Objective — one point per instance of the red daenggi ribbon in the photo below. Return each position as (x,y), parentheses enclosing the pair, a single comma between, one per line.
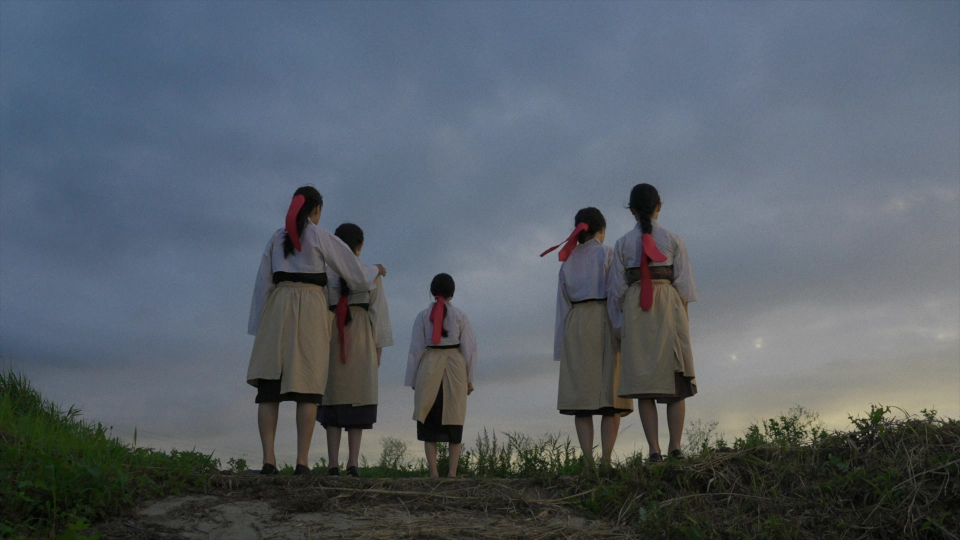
(571,242)
(648,252)
(342,310)
(436,317)
(295,205)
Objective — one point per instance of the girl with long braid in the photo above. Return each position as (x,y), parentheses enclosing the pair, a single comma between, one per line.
(443,356)
(586,340)
(291,322)
(361,329)
(652,286)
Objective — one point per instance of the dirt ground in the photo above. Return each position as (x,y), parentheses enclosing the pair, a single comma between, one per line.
(245,507)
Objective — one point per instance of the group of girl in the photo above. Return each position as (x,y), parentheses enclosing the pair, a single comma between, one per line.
(321,321)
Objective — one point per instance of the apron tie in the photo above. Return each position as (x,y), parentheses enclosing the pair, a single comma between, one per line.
(436,317)
(648,252)
(295,205)
(571,242)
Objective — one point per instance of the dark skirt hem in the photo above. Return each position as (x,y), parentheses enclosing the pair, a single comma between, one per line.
(268,391)
(432,429)
(347,416)
(602,411)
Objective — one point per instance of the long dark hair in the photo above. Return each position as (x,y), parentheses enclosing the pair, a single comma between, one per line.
(443,285)
(312,199)
(352,236)
(594,220)
(643,201)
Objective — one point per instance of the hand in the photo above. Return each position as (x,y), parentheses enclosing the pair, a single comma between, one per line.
(469,388)
(383,271)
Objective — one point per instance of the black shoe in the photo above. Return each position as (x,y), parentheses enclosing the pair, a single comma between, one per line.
(333,471)
(302,470)
(654,458)
(676,454)
(269,469)
(353,471)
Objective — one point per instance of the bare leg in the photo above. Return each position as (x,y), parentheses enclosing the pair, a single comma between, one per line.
(333,446)
(430,449)
(454,458)
(609,429)
(647,408)
(584,427)
(353,443)
(675,413)
(306,420)
(267,415)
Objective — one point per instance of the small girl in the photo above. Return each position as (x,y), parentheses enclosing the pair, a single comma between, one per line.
(361,329)
(289,316)
(585,339)
(443,355)
(653,284)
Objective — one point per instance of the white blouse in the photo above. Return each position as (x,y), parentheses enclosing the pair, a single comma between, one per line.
(670,244)
(459,331)
(585,275)
(319,249)
(375,297)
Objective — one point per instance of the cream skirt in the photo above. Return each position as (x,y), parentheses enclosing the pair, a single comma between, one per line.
(446,369)
(655,345)
(293,340)
(590,362)
(353,383)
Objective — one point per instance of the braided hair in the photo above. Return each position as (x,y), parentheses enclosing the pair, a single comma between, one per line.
(443,285)
(312,199)
(594,220)
(643,201)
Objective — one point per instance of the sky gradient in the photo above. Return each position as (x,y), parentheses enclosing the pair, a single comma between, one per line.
(808,153)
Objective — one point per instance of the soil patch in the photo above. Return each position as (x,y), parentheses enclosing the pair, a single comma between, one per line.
(285,507)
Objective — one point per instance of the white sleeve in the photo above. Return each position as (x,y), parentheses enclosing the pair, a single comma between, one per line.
(616,316)
(683,274)
(563,309)
(380,316)
(617,286)
(342,259)
(418,344)
(468,347)
(261,290)
(370,274)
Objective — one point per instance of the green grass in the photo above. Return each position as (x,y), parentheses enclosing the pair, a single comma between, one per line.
(59,473)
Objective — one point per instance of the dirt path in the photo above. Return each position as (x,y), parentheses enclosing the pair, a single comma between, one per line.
(255,508)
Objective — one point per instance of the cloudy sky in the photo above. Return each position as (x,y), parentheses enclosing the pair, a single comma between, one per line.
(808,152)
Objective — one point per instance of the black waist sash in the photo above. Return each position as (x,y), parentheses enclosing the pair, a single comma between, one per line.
(365,306)
(588,300)
(656,272)
(457,346)
(299,277)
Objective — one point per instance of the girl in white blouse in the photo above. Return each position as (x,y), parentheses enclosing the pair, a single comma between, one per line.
(440,367)
(585,339)
(291,322)
(652,285)
(361,329)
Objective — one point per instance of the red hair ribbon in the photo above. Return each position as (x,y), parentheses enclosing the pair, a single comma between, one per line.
(436,317)
(342,310)
(295,205)
(571,242)
(648,252)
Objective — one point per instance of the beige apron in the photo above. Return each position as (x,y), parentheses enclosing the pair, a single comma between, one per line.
(655,344)
(446,369)
(293,340)
(590,362)
(354,383)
